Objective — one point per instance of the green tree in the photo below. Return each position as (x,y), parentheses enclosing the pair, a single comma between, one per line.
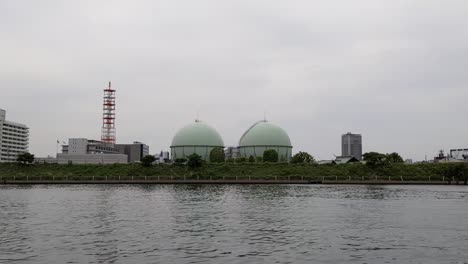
(375,159)
(270,155)
(147,160)
(25,158)
(464,174)
(394,158)
(194,161)
(251,159)
(458,172)
(302,157)
(217,155)
(258,159)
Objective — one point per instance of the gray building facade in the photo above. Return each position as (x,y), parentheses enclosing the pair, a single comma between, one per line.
(351,145)
(134,151)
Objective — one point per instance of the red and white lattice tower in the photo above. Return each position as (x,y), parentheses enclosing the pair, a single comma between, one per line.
(108,117)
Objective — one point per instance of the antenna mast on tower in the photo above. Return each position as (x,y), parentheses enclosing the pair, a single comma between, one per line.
(108,117)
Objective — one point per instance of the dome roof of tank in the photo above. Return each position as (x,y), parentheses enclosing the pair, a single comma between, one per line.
(264,133)
(197,134)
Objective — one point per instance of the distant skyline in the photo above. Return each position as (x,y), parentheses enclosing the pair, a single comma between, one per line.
(393,71)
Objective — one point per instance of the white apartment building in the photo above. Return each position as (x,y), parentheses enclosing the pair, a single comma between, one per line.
(14,138)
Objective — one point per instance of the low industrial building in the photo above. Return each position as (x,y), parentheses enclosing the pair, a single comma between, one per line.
(45,160)
(84,151)
(14,139)
(346,160)
(88,151)
(97,158)
(88,146)
(339,160)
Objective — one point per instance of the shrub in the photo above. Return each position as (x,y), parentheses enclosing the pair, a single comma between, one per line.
(394,158)
(270,155)
(194,161)
(25,158)
(217,155)
(147,160)
(375,160)
(302,157)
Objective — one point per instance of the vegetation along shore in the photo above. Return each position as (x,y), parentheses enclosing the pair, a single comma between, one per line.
(241,170)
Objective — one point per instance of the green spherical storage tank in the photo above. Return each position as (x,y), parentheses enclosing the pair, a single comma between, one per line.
(262,136)
(198,138)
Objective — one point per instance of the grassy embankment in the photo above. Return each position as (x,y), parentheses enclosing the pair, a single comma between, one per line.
(228,171)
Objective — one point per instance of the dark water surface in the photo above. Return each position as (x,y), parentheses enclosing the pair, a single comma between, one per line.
(233,224)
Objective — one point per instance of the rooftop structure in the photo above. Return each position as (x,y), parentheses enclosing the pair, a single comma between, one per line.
(262,136)
(14,138)
(199,138)
(345,160)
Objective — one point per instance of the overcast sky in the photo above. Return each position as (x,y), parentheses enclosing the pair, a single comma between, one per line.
(395,71)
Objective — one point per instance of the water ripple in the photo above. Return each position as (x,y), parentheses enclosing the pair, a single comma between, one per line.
(233,224)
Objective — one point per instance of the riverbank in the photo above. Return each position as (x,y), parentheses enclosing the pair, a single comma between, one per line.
(152,180)
(237,173)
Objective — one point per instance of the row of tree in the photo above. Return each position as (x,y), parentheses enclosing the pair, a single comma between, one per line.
(377,163)
(372,159)
(379,160)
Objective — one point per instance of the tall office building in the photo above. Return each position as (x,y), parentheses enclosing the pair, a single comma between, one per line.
(14,138)
(351,145)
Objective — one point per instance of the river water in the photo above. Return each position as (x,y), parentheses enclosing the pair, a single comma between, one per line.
(233,224)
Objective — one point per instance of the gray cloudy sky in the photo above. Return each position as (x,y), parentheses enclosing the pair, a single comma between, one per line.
(395,71)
